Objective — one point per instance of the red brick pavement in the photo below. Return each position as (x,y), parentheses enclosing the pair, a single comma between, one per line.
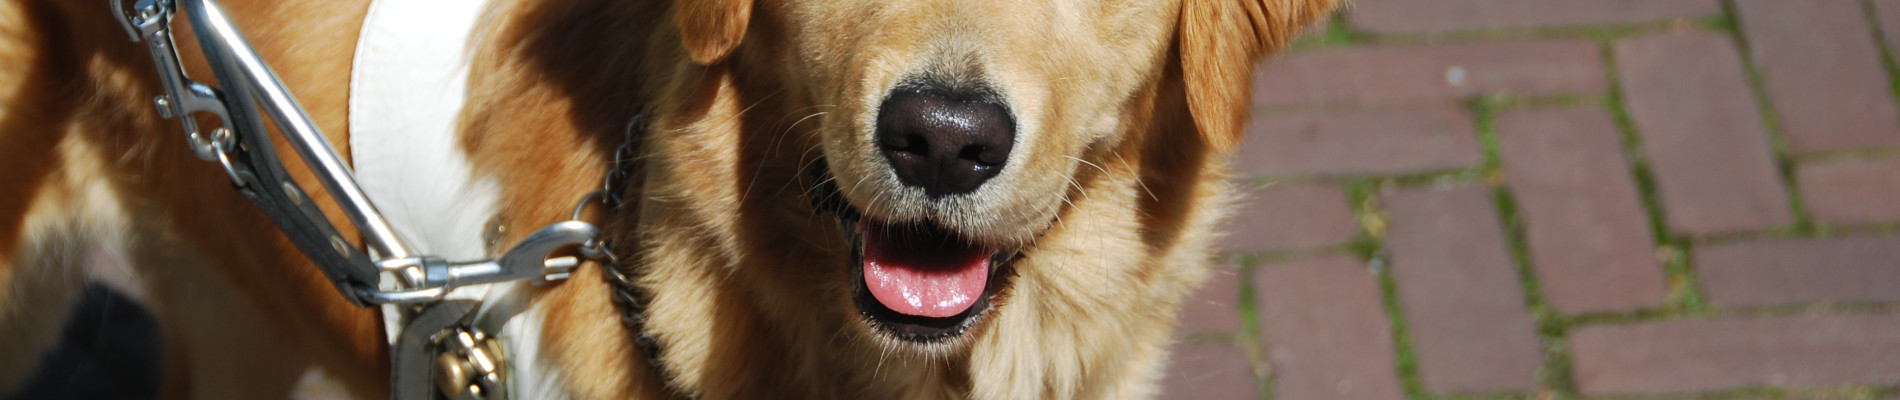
(1797,271)
(1889,19)
(1211,309)
(1584,221)
(1561,199)
(1853,191)
(1360,142)
(1689,355)
(1690,103)
(1376,74)
(1461,297)
(1325,332)
(1823,73)
(1290,216)
(1209,371)
(1444,15)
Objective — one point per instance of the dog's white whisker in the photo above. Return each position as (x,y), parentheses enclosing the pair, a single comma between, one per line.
(1138,180)
(788,129)
(1086,162)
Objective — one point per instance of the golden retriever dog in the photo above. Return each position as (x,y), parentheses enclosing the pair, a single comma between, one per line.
(827,199)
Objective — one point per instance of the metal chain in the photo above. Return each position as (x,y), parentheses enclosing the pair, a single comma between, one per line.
(626,291)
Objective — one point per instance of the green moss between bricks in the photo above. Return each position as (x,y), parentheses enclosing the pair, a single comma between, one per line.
(1339,33)
(1589,32)
(1719,23)
(1336,34)
(1406,359)
(1674,252)
(1887,58)
(1248,339)
(1840,392)
(1684,296)
(1633,152)
(1362,195)
(1554,374)
(1771,123)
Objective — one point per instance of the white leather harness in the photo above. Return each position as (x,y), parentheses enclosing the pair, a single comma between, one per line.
(407,89)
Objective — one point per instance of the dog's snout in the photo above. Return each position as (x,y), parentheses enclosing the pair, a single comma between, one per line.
(944,142)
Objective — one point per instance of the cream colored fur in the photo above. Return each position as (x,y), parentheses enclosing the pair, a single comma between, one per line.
(1126,113)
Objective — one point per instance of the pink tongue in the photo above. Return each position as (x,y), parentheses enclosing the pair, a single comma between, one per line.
(925,275)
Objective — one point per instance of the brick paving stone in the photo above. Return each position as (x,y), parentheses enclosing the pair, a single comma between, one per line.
(1324,327)
(1285,216)
(1888,13)
(1801,271)
(1206,371)
(1588,236)
(1823,72)
(1700,355)
(1213,307)
(1428,73)
(1851,191)
(1360,142)
(1448,15)
(1460,293)
(1701,132)
(1725,397)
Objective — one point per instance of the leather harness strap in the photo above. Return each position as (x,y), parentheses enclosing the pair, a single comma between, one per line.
(260,177)
(392,275)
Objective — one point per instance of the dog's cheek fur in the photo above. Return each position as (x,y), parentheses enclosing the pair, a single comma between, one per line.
(1091,341)
(1140,233)
(1075,95)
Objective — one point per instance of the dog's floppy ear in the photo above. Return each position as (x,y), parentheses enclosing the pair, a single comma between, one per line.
(1220,40)
(710,29)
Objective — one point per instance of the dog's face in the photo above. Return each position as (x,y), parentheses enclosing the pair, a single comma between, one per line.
(971,116)
(953,133)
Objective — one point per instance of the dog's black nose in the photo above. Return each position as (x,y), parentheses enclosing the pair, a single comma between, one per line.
(944,142)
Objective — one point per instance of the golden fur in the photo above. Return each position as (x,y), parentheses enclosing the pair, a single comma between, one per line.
(1126,113)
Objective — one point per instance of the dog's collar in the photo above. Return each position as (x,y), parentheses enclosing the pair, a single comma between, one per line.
(627,293)
(407,89)
(633,304)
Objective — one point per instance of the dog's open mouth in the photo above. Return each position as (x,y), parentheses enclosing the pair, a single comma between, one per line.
(918,282)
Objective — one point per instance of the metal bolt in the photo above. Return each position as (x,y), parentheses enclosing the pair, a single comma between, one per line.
(342,247)
(221,138)
(164,106)
(290,190)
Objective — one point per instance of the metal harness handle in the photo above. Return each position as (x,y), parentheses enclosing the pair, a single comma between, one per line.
(243,147)
(470,367)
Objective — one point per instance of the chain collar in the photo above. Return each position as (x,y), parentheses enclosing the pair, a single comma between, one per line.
(627,293)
